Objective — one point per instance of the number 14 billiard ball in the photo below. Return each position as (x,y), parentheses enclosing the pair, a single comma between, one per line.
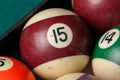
(106,57)
(55,42)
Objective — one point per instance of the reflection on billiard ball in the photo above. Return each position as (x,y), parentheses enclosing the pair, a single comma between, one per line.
(12,69)
(106,57)
(55,42)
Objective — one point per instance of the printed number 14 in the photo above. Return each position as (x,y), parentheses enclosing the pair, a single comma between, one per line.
(108,37)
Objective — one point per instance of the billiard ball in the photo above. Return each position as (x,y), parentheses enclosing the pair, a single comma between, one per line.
(13,69)
(77,76)
(106,56)
(55,42)
(102,15)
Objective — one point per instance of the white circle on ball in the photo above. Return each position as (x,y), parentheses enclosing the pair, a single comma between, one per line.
(59,35)
(109,38)
(5,63)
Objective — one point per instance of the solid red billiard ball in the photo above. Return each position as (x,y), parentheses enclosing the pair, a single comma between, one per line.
(55,42)
(12,69)
(101,14)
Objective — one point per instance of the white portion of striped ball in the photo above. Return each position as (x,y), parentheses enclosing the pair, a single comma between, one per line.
(109,38)
(106,70)
(53,69)
(59,35)
(74,76)
(48,13)
(71,76)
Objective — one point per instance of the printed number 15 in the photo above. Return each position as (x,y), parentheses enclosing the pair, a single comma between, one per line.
(58,32)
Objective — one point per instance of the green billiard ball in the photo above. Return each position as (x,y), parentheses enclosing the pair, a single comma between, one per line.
(106,55)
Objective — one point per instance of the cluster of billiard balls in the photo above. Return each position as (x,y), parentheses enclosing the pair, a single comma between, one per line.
(57,44)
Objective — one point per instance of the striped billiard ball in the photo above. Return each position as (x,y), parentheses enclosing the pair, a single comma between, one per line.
(54,42)
(106,57)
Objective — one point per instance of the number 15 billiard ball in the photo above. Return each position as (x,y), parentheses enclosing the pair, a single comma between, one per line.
(55,42)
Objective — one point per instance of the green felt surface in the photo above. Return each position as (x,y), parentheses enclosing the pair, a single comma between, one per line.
(11,11)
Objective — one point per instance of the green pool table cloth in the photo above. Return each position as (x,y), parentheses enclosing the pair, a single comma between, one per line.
(11,11)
